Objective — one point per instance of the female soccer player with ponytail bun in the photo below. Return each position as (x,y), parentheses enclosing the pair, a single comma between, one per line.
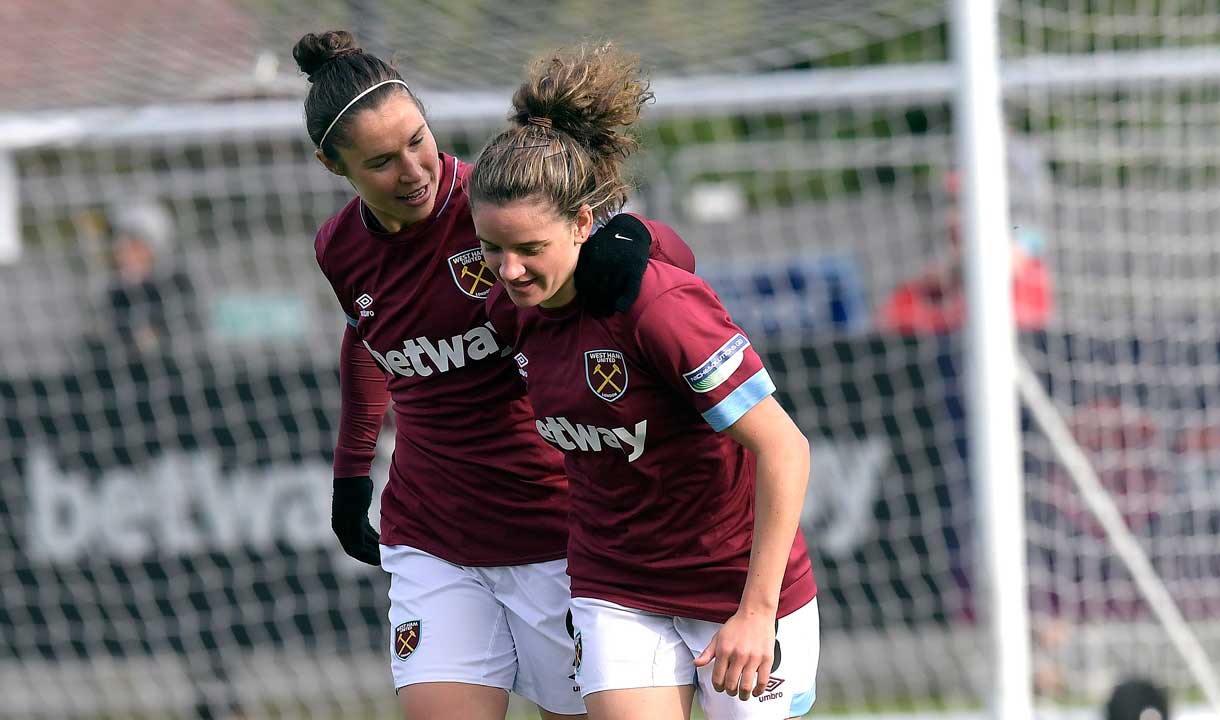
(473,519)
(688,568)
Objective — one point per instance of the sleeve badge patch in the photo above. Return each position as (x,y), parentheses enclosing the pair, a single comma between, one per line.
(606,373)
(719,366)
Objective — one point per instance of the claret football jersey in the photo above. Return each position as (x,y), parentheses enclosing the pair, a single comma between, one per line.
(471,481)
(662,499)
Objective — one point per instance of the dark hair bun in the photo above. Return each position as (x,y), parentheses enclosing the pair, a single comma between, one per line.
(313,51)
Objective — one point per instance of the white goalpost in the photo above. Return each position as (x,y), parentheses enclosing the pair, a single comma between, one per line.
(991,355)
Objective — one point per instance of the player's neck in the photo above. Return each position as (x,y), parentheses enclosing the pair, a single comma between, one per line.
(563,297)
(380,222)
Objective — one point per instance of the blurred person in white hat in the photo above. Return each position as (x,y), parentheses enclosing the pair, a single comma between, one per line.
(150,299)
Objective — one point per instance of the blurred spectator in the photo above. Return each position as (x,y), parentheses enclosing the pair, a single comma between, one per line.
(144,365)
(147,340)
(150,301)
(1084,580)
(1137,699)
(1121,442)
(1195,514)
(933,301)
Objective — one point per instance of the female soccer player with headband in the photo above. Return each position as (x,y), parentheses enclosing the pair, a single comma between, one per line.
(688,569)
(473,519)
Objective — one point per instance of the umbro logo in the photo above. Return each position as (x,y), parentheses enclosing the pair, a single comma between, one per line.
(522,361)
(772,691)
(364,302)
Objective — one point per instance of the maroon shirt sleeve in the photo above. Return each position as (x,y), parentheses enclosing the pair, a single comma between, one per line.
(694,346)
(365,397)
(362,386)
(502,314)
(321,247)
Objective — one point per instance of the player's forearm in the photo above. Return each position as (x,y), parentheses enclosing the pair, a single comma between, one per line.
(783,473)
(364,401)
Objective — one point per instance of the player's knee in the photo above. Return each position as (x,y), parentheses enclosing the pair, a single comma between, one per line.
(443,700)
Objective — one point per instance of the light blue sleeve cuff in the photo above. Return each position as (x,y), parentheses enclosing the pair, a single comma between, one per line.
(350,320)
(738,403)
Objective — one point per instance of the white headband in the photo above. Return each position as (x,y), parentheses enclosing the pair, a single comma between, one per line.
(356,100)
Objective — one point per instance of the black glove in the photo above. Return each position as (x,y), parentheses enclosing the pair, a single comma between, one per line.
(611,265)
(349,518)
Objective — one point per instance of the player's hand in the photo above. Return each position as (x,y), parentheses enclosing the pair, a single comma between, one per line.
(611,265)
(349,518)
(742,651)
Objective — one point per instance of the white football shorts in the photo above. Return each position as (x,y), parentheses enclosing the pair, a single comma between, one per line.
(505,627)
(619,648)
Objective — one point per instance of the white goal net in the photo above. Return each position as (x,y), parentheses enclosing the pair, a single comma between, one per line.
(165,548)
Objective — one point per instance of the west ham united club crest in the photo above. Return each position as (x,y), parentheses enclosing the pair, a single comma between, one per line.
(406,638)
(471,274)
(606,372)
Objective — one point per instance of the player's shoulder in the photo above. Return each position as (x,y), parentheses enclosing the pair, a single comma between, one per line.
(501,311)
(669,286)
(658,228)
(497,301)
(654,226)
(452,197)
(334,229)
(667,245)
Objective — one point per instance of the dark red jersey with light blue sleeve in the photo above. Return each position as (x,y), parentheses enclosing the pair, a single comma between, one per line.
(662,499)
(471,481)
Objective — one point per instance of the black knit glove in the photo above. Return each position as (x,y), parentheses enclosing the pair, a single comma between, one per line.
(611,265)
(349,518)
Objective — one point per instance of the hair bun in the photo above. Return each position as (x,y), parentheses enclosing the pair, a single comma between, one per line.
(314,51)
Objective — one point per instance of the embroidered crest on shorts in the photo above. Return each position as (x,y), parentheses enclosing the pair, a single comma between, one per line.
(606,373)
(471,273)
(406,638)
(579,656)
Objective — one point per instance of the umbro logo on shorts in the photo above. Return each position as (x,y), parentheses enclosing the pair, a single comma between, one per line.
(406,638)
(771,691)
